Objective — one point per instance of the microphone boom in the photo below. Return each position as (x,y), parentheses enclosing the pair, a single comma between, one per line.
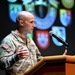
(58,38)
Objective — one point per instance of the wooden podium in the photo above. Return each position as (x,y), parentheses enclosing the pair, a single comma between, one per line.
(54,65)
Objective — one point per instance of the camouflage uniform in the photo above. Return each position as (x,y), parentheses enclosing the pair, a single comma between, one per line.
(8,49)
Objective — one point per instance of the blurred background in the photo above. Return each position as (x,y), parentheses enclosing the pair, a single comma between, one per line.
(57,16)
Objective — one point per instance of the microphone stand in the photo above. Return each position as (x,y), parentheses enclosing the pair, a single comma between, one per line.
(68,47)
(62,41)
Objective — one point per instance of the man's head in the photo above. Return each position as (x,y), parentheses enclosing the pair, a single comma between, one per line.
(25,21)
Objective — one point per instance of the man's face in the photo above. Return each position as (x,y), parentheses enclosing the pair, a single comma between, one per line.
(29,24)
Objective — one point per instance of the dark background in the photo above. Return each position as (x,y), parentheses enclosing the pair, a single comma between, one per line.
(6,25)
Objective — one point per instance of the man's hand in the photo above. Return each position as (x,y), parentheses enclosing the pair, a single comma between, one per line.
(22,53)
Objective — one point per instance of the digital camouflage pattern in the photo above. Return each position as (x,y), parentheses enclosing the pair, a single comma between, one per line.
(8,48)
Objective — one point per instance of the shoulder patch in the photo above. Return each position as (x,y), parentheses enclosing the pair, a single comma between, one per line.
(5,46)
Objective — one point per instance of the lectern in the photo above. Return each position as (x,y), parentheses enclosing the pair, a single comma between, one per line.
(54,65)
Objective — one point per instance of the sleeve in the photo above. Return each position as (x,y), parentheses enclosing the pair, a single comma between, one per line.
(39,56)
(38,53)
(7,56)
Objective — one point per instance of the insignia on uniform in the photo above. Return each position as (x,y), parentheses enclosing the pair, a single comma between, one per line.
(5,46)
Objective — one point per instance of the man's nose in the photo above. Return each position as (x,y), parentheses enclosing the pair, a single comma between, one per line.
(34,25)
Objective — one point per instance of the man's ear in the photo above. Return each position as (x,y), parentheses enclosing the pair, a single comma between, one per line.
(21,22)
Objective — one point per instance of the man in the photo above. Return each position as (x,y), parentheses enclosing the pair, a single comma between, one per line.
(18,52)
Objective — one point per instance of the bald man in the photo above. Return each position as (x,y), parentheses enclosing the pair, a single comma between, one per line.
(18,52)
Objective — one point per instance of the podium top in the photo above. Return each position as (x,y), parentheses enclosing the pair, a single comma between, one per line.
(65,58)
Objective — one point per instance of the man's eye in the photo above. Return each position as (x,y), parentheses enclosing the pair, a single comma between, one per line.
(32,22)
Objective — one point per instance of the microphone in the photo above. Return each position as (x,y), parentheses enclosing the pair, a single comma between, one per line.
(58,38)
